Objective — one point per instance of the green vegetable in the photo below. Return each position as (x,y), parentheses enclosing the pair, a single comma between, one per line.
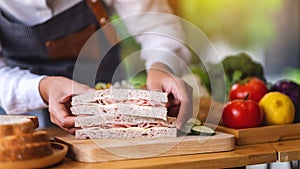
(189,124)
(194,127)
(236,67)
(139,81)
(202,130)
(241,66)
(194,121)
(293,74)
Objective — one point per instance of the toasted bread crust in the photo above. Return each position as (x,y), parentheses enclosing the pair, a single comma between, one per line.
(34,120)
(19,140)
(25,152)
(15,129)
(13,140)
(17,124)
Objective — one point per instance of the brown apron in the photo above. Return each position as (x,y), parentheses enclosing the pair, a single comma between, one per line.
(51,48)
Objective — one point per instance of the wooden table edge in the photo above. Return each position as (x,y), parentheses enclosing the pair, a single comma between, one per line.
(240,156)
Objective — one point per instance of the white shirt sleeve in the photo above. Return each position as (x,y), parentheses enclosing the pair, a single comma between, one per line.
(160,38)
(160,34)
(32,12)
(19,91)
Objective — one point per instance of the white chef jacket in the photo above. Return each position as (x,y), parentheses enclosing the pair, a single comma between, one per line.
(19,91)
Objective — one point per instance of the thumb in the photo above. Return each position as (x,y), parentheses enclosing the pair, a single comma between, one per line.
(154,86)
(81,88)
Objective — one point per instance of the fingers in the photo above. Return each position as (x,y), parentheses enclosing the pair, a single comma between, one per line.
(66,123)
(185,113)
(60,114)
(80,88)
(186,105)
(180,93)
(70,130)
(180,101)
(57,92)
(62,118)
(153,85)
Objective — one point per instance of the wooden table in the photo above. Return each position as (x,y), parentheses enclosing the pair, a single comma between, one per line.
(287,150)
(241,156)
(244,155)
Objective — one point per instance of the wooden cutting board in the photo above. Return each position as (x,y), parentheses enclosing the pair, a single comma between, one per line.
(102,150)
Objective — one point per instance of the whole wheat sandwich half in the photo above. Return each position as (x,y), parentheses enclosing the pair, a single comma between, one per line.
(122,113)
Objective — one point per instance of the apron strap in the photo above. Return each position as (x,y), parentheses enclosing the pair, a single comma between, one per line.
(100,12)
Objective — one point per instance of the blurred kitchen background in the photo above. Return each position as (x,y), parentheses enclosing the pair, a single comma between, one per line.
(268,30)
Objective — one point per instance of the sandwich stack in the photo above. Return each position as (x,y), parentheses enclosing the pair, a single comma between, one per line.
(122,113)
(19,140)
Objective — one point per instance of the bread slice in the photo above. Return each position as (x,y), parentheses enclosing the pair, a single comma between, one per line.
(132,132)
(21,139)
(120,94)
(17,124)
(124,109)
(34,119)
(25,151)
(89,121)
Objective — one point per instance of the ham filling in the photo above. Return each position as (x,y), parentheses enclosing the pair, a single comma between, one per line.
(140,125)
(135,102)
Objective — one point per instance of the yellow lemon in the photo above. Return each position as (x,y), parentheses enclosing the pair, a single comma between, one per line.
(278,108)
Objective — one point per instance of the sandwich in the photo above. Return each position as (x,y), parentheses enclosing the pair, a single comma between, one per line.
(122,113)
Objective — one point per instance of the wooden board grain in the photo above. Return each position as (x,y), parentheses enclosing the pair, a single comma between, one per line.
(263,134)
(103,150)
(240,156)
(287,150)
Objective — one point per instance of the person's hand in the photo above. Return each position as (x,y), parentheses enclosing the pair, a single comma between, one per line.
(57,93)
(160,78)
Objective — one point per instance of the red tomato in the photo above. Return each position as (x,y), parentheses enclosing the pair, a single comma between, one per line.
(252,87)
(242,114)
